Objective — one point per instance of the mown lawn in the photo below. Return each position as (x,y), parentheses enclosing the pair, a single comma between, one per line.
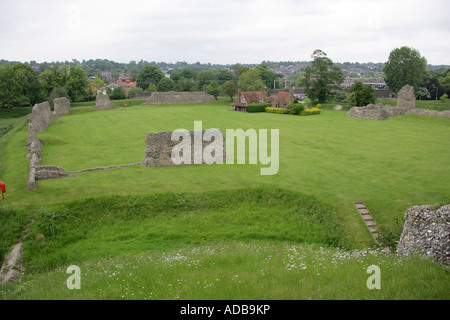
(390,165)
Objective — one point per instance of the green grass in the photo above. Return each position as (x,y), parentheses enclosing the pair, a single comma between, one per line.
(327,161)
(329,155)
(108,226)
(242,271)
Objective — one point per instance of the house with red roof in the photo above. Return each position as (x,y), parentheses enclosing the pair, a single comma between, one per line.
(244,98)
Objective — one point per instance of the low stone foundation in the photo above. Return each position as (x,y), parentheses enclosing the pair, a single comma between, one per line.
(178,98)
(50,172)
(159,146)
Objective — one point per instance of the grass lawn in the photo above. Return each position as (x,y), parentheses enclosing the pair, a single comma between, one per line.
(390,165)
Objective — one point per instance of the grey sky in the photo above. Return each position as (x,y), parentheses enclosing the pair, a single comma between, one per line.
(224,32)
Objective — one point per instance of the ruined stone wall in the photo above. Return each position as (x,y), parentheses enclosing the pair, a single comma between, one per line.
(102,102)
(41,118)
(178,98)
(427,233)
(159,146)
(406,102)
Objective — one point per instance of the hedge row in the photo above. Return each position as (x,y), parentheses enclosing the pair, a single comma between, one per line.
(309,112)
(257,107)
(306,112)
(277,110)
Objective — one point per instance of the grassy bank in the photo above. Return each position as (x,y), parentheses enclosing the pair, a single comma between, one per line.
(109,226)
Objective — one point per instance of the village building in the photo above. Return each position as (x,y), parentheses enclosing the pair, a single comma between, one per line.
(126,85)
(245,98)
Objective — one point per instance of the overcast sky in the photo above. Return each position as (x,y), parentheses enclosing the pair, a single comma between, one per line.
(223,32)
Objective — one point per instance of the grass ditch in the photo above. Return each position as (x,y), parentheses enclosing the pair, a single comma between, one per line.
(104,227)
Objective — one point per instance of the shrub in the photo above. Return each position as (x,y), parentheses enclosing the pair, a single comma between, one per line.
(309,112)
(444,97)
(307,102)
(319,106)
(364,93)
(257,107)
(297,108)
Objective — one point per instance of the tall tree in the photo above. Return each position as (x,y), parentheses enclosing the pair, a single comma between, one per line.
(10,89)
(405,66)
(224,76)
(266,75)
(251,80)
(213,89)
(166,85)
(229,89)
(322,77)
(28,80)
(54,77)
(205,77)
(77,84)
(149,75)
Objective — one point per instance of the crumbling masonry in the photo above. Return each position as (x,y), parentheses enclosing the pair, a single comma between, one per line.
(41,118)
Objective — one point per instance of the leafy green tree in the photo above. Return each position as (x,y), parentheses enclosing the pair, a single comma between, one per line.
(54,77)
(229,89)
(189,74)
(58,92)
(423,92)
(166,85)
(251,80)
(351,100)
(28,80)
(266,75)
(405,66)
(149,75)
(118,93)
(321,77)
(239,70)
(175,76)
(224,76)
(10,89)
(364,93)
(444,81)
(76,84)
(186,85)
(205,77)
(213,89)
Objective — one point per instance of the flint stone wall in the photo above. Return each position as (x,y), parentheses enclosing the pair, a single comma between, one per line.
(50,172)
(158,148)
(426,232)
(102,102)
(41,118)
(178,98)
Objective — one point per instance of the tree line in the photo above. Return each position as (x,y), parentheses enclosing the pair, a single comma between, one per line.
(22,85)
